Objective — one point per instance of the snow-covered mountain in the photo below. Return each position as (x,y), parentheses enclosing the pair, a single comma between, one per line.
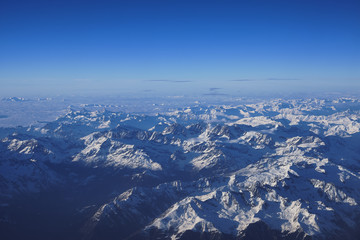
(279,169)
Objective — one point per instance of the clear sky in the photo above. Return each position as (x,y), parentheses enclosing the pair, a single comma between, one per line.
(178,46)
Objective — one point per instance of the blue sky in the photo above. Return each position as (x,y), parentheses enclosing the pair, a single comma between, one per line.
(177,47)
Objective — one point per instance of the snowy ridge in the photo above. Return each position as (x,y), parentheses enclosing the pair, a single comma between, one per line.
(287,168)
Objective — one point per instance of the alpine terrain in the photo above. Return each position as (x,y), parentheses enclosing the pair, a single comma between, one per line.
(276,169)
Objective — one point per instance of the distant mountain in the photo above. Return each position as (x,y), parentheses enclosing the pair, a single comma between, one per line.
(14,99)
(279,169)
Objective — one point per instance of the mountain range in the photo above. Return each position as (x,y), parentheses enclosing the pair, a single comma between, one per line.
(275,169)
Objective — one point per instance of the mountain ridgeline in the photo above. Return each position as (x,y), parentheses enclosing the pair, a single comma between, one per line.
(278,169)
